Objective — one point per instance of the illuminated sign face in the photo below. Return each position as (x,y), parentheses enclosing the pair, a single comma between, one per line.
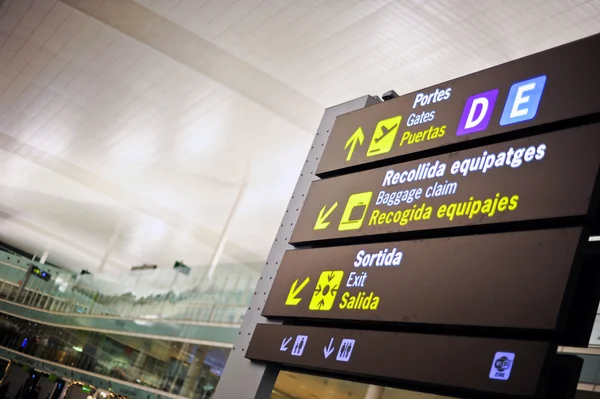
(36,271)
(546,176)
(521,105)
(477,113)
(543,88)
(326,290)
(523,101)
(502,366)
(424,281)
(518,366)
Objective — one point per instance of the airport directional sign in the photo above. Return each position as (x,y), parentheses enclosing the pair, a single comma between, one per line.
(446,244)
(509,367)
(547,176)
(479,280)
(543,88)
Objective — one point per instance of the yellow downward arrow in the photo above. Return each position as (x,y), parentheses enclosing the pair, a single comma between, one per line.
(321,223)
(291,298)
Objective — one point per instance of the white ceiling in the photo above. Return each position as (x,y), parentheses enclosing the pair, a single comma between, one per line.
(128,128)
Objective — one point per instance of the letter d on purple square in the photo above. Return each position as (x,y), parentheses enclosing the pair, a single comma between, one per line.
(477,113)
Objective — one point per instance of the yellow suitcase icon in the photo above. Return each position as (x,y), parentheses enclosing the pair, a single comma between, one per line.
(355,211)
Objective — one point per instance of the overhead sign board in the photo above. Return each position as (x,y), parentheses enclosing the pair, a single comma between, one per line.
(487,365)
(480,280)
(39,273)
(547,87)
(547,176)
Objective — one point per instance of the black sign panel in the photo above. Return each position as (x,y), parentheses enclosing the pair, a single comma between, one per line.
(487,365)
(510,280)
(36,271)
(546,176)
(546,87)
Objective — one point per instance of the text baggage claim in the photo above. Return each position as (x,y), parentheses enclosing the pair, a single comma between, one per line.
(512,158)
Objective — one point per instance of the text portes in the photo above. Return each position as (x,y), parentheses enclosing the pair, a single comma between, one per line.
(423,99)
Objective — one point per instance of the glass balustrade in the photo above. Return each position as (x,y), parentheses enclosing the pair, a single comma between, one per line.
(161,295)
(184,369)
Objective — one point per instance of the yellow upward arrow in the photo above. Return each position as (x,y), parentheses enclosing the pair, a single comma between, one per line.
(291,298)
(357,137)
(321,223)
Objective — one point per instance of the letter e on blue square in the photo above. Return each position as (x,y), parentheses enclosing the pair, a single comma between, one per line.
(502,366)
(523,101)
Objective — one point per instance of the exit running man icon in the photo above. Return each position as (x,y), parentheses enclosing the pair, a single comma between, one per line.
(326,290)
(345,350)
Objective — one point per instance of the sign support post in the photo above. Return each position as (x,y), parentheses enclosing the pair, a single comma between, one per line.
(374,392)
(241,378)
